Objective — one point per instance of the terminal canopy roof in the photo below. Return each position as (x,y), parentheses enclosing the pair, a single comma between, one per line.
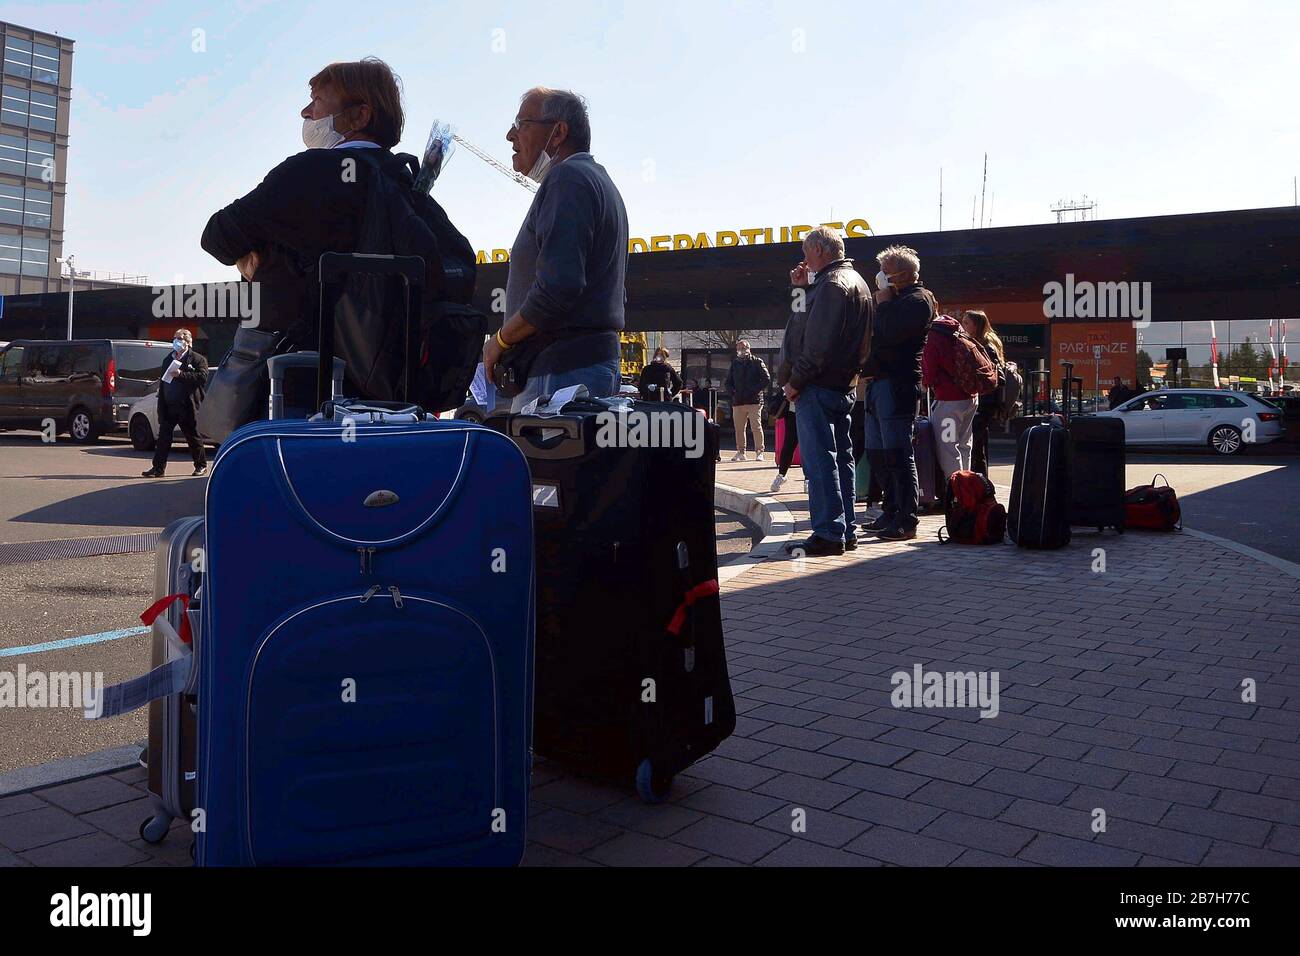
(1218,265)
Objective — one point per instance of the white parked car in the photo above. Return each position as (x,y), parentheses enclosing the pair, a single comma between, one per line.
(1224,420)
(142,425)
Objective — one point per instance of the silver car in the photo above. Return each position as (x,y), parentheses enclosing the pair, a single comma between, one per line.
(1226,421)
(142,425)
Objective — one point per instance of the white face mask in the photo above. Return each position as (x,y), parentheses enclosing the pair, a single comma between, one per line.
(659,359)
(320,134)
(544,161)
(882,281)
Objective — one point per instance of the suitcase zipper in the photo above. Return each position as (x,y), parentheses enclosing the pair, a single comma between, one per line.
(397,595)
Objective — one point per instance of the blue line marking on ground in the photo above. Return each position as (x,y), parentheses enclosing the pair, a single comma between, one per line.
(73,642)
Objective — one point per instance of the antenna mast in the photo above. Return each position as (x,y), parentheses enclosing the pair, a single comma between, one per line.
(984,187)
(520,178)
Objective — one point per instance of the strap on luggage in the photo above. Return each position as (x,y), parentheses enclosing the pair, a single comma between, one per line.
(164,681)
(154,610)
(371,411)
(698,593)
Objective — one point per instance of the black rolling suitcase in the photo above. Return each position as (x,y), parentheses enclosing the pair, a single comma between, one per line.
(1097,486)
(1038,514)
(631,672)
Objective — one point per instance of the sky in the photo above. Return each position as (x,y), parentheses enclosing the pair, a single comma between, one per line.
(709,115)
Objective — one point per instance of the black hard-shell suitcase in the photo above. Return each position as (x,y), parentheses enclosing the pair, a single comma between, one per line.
(178,569)
(1038,515)
(1097,486)
(631,671)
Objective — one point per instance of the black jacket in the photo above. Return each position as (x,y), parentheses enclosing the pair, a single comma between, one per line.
(658,375)
(747,380)
(898,335)
(183,394)
(822,340)
(313,202)
(1119,394)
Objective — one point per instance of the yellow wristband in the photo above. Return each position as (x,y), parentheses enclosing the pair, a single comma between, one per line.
(502,342)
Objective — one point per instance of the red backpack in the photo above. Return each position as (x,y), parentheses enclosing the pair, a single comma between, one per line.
(973,515)
(969,365)
(1152,508)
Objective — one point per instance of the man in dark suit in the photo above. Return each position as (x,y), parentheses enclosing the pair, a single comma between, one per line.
(180,392)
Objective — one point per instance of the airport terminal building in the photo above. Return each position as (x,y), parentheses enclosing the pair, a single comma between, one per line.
(1119,297)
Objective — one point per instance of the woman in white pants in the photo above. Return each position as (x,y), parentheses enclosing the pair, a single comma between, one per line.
(952,415)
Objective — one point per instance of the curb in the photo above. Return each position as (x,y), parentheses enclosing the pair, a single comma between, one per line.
(773,519)
(70,769)
(1280,564)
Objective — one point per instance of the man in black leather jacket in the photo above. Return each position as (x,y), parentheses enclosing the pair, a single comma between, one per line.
(820,354)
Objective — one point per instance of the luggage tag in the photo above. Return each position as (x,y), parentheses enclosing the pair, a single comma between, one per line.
(171,678)
(555,404)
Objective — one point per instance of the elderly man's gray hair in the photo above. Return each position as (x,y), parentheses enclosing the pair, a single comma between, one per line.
(185,336)
(826,241)
(565,106)
(900,259)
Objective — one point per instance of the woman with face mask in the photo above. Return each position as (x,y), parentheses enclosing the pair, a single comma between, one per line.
(317,201)
(659,380)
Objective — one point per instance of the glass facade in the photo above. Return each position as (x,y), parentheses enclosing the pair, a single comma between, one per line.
(38,207)
(1243,347)
(32,61)
(28,108)
(31,149)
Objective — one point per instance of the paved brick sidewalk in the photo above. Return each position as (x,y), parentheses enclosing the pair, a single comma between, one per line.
(1119,691)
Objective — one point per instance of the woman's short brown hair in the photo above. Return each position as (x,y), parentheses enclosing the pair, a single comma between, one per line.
(370,81)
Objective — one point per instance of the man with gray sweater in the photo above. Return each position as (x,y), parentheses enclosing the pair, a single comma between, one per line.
(565,288)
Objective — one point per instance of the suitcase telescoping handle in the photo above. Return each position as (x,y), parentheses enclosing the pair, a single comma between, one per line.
(1067,384)
(337,266)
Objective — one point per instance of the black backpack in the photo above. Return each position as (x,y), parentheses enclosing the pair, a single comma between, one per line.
(448,333)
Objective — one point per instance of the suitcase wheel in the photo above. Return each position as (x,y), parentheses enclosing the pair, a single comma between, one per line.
(651,786)
(154,829)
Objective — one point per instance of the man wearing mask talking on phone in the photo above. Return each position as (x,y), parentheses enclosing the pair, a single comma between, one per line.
(180,391)
(818,369)
(565,287)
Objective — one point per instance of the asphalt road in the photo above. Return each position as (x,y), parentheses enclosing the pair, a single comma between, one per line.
(72,491)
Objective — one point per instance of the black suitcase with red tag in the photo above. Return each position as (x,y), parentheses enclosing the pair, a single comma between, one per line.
(631,672)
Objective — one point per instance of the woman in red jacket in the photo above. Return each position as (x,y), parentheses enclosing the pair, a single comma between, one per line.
(952,415)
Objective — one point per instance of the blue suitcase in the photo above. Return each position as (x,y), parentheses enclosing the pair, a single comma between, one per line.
(366,669)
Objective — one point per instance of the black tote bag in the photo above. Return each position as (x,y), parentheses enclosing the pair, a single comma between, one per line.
(238,389)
